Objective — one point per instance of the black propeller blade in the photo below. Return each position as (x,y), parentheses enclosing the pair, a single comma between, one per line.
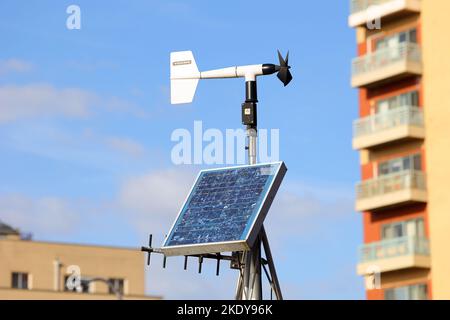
(284,74)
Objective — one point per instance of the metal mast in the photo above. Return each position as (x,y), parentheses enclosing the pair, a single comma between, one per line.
(249,286)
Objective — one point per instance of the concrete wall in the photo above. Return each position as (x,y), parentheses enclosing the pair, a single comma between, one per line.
(38,260)
(14,294)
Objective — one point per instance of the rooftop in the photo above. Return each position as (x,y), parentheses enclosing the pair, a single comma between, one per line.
(7,230)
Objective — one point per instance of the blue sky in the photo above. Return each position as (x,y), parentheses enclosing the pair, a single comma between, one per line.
(85,125)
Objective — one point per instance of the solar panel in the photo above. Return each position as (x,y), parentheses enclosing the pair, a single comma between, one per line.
(224,210)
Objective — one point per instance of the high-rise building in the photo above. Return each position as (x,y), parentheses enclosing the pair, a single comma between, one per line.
(45,270)
(402,72)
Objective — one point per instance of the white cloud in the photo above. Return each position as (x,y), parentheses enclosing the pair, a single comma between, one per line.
(300,209)
(125,145)
(46,215)
(40,100)
(14,65)
(153,200)
(84,147)
(119,144)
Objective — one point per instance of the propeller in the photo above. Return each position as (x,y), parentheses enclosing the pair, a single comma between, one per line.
(284,74)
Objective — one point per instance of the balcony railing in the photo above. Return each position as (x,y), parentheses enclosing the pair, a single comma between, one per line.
(403,246)
(361,5)
(404,180)
(405,115)
(385,57)
(372,11)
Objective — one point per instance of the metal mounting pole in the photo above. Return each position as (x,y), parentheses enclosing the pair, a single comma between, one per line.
(252,271)
(274,281)
(249,285)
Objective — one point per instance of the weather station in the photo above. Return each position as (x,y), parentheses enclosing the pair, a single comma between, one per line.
(223,215)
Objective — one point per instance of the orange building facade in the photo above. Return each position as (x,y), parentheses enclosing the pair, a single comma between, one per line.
(402,193)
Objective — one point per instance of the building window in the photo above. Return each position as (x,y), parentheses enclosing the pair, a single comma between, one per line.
(414,227)
(409,36)
(413,292)
(408,99)
(117,286)
(412,162)
(83,287)
(19,280)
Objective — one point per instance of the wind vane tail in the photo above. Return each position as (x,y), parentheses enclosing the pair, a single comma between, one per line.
(184,76)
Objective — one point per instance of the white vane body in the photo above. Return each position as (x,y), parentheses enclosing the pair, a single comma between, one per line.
(184,75)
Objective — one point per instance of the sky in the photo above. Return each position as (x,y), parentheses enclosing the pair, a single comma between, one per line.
(86,124)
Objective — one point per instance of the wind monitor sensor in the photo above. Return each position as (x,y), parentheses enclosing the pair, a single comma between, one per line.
(184,77)
(184,74)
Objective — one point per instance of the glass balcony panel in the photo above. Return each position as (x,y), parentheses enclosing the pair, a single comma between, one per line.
(407,51)
(404,115)
(408,179)
(402,246)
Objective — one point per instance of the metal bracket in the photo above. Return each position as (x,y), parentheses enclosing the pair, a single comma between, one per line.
(234,262)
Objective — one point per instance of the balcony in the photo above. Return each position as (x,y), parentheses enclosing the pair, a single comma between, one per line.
(365,11)
(401,123)
(391,190)
(394,254)
(387,64)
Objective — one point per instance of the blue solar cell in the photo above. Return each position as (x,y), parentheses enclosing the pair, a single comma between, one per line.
(223,205)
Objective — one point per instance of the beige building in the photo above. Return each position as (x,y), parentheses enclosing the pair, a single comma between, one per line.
(44,270)
(402,72)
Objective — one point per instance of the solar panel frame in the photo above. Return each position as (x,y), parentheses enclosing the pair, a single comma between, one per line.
(244,244)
